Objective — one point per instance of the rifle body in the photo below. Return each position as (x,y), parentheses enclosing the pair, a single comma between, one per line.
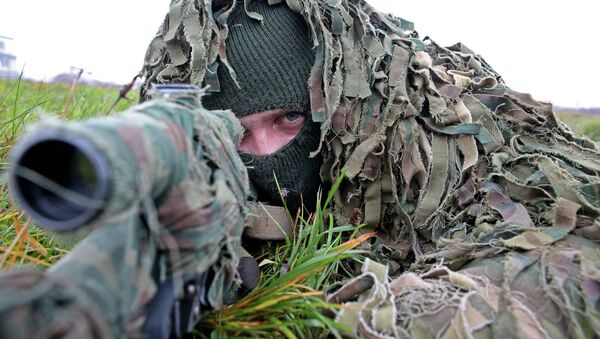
(162,192)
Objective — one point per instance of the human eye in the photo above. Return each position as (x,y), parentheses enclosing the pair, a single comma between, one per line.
(290,122)
(292,116)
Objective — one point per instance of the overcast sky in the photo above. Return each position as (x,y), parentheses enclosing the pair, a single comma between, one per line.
(545,48)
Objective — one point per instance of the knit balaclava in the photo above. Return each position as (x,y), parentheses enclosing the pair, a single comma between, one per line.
(272,60)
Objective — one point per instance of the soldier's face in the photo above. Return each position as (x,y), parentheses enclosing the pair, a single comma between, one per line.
(268,131)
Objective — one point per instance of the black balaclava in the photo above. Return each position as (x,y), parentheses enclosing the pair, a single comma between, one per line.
(272,61)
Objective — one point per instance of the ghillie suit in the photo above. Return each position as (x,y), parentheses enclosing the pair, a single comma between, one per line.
(456,172)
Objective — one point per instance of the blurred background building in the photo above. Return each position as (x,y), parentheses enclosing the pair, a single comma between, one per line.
(7,59)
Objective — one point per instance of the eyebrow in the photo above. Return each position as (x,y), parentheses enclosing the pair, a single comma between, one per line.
(274,113)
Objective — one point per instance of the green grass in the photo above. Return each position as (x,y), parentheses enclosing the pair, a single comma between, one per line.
(592,130)
(292,304)
(24,102)
(582,124)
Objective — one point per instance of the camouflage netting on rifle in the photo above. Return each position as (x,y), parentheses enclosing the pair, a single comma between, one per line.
(176,209)
(449,164)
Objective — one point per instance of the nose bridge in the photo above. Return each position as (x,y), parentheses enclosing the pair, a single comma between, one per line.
(257,141)
(263,140)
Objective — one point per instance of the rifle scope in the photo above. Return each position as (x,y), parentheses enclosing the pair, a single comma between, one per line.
(61,179)
(67,174)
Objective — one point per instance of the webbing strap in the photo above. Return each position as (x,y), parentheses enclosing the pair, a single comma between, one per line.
(266,222)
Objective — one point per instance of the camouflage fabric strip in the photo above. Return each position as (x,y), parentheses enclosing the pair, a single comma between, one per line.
(266,222)
(447,304)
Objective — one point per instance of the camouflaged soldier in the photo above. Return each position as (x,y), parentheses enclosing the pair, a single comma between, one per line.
(487,208)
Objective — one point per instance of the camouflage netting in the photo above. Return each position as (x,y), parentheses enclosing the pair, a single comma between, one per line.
(450,165)
(176,209)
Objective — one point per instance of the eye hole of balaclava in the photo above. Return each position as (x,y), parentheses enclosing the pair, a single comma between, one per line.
(272,61)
